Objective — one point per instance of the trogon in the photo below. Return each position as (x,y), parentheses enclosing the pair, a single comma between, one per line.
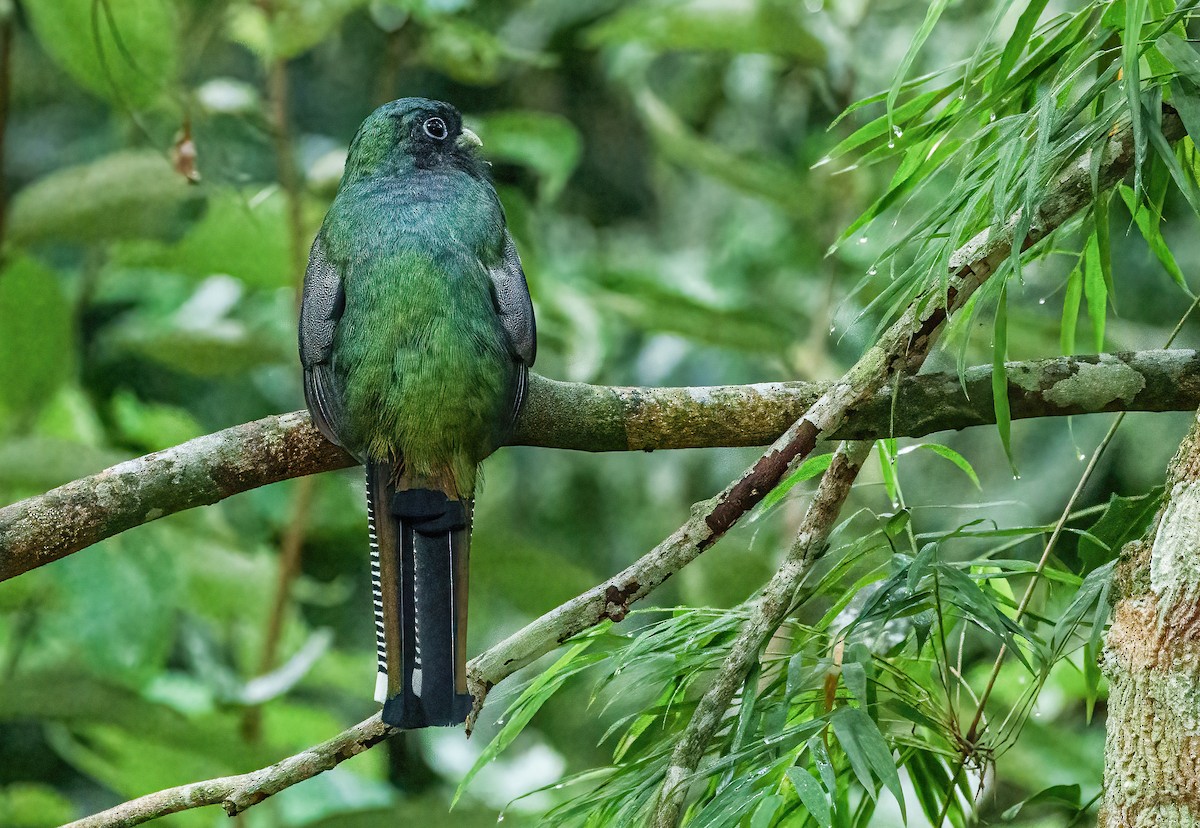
(416,337)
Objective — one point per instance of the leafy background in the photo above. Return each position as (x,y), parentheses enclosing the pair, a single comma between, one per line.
(687,215)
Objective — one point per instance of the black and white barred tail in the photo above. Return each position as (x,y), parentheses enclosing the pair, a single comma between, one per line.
(420,541)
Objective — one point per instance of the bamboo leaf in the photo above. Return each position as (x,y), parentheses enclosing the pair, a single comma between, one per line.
(812,795)
(1000,378)
(527,704)
(1070,312)
(1017,42)
(867,751)
(954,457)
(1095,289)
(931,18)
(1135,11)
(1149,226)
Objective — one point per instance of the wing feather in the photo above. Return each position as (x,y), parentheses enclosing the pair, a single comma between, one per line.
(321,308)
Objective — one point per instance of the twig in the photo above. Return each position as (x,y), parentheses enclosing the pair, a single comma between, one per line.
(50,526)
(237,793)
(766,614)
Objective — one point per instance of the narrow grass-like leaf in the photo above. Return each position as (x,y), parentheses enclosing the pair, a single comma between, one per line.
(867,751)
(1185,95)
(931,18)
(1096,291)
(1033,177)
(1017,42)
(1070,311)
(527,704)
(887,468)
(765,813)
(1062,795)
(1149,225)
(882,126)
(807,470)
(1183,56)
(1104,245)
(1167,153)
(1000,378)
(1135,12)
(812,795)
(954,457)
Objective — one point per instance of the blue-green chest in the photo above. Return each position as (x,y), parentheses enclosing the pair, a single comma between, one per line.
(421,358)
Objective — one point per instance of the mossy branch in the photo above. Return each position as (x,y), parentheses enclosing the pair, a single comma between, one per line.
(567,415)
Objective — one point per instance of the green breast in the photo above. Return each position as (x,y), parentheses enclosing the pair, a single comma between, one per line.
(423,364)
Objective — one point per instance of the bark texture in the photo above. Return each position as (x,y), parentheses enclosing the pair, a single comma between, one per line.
(568,415)
(1152,661)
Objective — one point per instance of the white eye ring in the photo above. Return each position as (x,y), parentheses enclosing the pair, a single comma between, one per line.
(435,128)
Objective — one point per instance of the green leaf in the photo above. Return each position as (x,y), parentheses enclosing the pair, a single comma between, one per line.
(867,751)
(764,814)
(468,52)
(527,704)
(1124,519)
(1000,378)
(1184,182)
(36,349)
(33,805)
(882,126)
(289,27)
(810,468)
(767,28)
(955,458)
(1066,796)
(1151,231)
(1095,289)
(244,237)
(547,144)
(812,794)
(897,523)
(122,50)
(127,195)
(1182,55)
(1017,43)
(152,426)
(887,468)
(1185,95)
(936,7)
(764,177)
(1135,11)
(117,604)
(1070,312)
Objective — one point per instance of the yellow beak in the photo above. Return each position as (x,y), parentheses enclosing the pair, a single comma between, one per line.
(467,139)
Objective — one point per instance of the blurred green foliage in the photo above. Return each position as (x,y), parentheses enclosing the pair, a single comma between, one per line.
(686,215)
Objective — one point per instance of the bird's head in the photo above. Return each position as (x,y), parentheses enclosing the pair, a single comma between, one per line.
(412,132)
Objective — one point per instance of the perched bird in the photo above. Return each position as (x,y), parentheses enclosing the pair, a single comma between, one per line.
(416,336)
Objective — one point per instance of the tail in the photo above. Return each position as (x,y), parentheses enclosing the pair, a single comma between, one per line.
(420,543)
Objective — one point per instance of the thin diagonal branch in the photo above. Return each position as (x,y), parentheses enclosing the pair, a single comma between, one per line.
(47,527)
(767,612)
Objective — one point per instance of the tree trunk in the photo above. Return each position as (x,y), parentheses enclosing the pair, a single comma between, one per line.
(1152,661)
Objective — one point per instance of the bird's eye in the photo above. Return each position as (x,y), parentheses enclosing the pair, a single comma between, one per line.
(436,128)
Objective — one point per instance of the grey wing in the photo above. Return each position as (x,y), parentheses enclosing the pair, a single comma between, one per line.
(513,303)
(321,306)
